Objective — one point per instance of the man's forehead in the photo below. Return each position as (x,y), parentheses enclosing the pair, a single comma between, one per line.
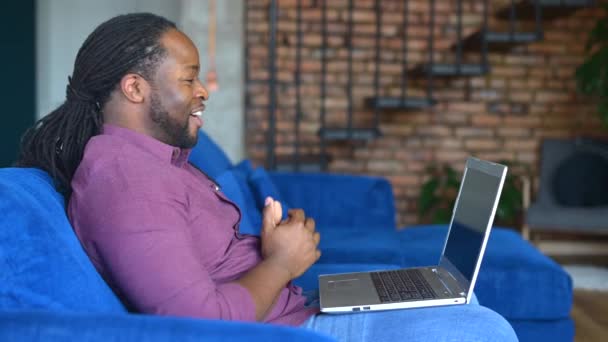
(181,48)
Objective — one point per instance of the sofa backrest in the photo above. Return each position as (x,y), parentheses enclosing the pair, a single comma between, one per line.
(42,264)
(209,157)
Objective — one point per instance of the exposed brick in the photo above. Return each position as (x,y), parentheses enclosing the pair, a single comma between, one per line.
(513,132)
(481,144)
(384,166)
(521,96)
(485,120)
(530,94)
(443,156)
(552,96)
(521,145)
(434,131)
(465,132)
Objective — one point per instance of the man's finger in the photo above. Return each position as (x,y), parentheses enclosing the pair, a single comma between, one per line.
(268,215)
(309,223)
(316,237)
(277,212)
(296,215)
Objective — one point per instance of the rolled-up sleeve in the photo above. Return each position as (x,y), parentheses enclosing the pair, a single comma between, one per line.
(140,243)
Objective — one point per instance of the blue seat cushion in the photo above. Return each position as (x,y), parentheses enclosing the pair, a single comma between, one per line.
(561,330)
(43,264)
(515,279)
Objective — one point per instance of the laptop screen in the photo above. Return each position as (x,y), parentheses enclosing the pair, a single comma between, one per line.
(471,215)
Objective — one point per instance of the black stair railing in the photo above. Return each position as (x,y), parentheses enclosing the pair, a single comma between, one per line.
(403,101)
(272,82)
(349,82)
(323,106)
(348,131)
(298,81)
(404,51)
(483,38)
(503,40)
(459,36)
(431,41)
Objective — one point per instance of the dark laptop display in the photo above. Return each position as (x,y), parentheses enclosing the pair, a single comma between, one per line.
(474,206)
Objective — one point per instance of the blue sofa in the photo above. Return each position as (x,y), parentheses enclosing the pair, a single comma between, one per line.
(356,218)
(49,290)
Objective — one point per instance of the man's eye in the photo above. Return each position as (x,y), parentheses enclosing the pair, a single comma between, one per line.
(189,81)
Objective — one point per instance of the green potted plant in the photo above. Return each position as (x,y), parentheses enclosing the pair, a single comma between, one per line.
(438,195)
(592,75)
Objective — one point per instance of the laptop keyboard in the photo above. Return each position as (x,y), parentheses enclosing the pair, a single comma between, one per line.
(401,285)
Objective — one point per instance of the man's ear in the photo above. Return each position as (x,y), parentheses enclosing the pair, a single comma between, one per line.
(134,87)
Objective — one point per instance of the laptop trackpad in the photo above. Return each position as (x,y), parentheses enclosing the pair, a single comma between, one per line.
(344,284)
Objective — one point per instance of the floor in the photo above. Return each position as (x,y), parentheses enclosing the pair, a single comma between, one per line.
(590,315)
(590,307)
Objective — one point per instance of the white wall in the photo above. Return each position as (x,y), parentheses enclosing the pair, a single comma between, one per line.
(63,25)
(224,116)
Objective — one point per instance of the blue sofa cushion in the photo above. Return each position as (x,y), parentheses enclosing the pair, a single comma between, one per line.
(242,172)
(363,245)
(43,264)
(511,269)
(544,330)
(340,200)
(209,157)
(263,186)
(95,327)
(231,189)
(235,185)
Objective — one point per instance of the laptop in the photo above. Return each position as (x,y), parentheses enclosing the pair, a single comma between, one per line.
(452,280)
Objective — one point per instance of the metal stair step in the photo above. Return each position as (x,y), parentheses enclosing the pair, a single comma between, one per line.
(302,163)
(551,9)
(451,69)
(499,41)
(349,134)
(399,103)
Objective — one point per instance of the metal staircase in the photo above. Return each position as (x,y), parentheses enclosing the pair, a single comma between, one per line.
(510,14)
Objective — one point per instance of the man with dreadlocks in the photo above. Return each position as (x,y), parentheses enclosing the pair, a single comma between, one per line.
(156,228)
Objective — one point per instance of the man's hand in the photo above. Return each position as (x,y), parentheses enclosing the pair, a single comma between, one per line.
(290,244)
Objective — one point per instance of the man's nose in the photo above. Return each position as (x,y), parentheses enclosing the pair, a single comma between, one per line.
(202,92)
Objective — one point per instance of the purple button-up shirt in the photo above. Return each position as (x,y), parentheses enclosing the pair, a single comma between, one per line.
(163,236)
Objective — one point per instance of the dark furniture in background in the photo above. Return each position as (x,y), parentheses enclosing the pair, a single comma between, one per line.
(572,198)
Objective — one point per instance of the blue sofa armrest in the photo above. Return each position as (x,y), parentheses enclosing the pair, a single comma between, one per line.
(339,200)
(63,326)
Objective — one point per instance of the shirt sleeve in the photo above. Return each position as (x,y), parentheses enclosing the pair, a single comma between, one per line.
(141,242)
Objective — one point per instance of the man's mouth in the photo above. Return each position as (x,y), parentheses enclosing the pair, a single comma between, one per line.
(198,111)
(197,114)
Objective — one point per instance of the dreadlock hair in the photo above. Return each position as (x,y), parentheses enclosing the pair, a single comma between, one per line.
(124,44)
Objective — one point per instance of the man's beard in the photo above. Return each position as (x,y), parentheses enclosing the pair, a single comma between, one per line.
(175,133)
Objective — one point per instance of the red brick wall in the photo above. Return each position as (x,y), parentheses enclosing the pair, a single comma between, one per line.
(529,94)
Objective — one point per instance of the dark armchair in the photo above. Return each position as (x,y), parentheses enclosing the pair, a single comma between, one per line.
(572,196)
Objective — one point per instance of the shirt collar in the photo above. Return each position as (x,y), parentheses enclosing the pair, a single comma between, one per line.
(174,155)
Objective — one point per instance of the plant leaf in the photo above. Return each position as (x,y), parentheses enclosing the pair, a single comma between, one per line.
(441,216)
(599,33)
(603,111)
(428,199)
(590,76)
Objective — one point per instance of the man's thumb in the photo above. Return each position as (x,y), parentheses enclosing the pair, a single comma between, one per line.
(268,221)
